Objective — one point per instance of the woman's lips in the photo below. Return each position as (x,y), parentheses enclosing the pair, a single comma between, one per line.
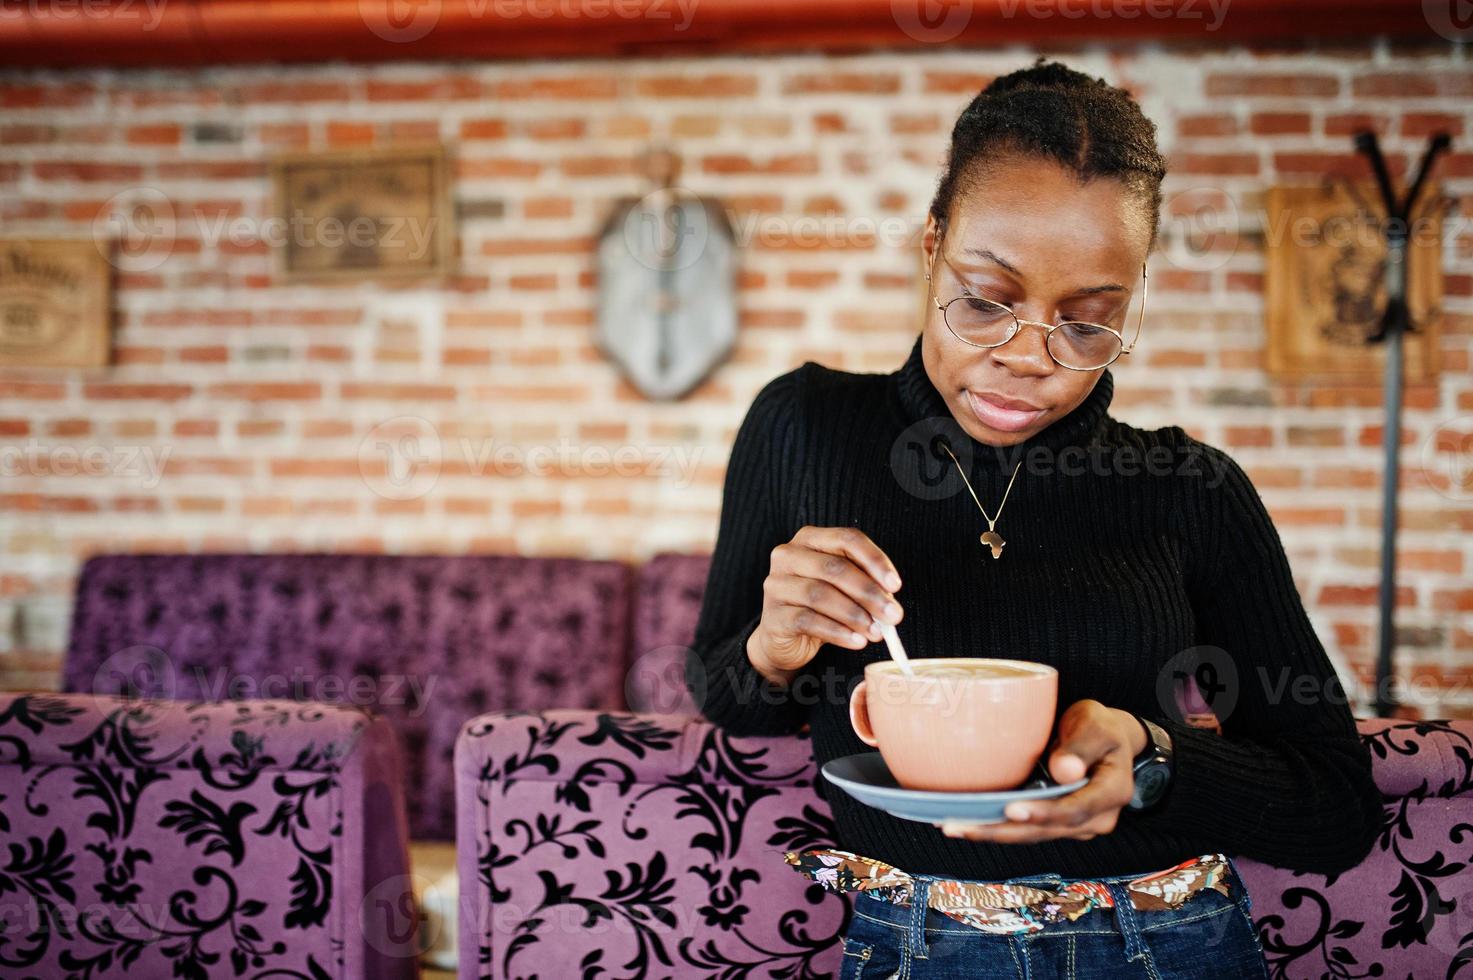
(997,417)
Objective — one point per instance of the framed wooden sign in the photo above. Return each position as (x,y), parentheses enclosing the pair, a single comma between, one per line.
(54,305)
(363,213)
(1325,285)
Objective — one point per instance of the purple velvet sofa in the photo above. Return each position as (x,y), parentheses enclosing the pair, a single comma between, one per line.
(620,844)
(154,838)
(424,641)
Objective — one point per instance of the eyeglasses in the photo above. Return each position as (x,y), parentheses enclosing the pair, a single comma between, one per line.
(1073,344)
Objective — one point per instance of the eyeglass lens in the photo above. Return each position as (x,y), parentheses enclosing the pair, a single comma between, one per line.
(1084,346)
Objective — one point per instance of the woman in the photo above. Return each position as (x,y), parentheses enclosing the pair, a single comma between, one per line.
(982,498)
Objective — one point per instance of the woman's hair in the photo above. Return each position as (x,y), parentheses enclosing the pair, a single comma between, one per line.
(1050,110)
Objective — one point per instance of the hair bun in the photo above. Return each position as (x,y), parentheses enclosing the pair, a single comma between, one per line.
(1042,74)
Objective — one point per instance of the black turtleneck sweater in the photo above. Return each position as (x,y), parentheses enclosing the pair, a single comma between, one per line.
(1125,547)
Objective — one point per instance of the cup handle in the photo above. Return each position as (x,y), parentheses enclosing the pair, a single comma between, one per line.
(859,716)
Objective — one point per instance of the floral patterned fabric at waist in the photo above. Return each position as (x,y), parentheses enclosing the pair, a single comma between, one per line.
(999,907)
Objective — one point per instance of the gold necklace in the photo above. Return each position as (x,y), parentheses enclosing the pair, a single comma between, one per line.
(990,537)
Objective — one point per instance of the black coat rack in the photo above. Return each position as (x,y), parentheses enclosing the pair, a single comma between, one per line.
(1395,322)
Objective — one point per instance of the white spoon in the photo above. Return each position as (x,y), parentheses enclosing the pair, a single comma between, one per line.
(897,649)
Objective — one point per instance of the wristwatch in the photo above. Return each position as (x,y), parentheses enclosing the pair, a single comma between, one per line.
(1153,768)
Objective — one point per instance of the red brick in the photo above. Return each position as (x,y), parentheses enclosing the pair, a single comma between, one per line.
(1279,123)
(697,86)
(350,133)
(1453,600)
(556,129)
(262,391)
(197,428)
(16,96)
(86,171)
(1214,124)
(140,391)
(1259,83)
(576,87)
(1350,123)
(1363,595)
(161,134)
(537,246)
(404,391)
(1242,436)
(296,91)
(734,163)
(954,82)
(1215,164)
(851,83)
(483,129)
(1420,125)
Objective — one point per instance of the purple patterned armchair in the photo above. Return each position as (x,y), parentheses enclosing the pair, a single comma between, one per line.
(152,838)
(627,845)
(615,844)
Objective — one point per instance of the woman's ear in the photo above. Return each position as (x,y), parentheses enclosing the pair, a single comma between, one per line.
(930,241)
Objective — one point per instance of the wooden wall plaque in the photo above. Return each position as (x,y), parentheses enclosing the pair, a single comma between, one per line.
(54,306)
(1325,289)
(363,213)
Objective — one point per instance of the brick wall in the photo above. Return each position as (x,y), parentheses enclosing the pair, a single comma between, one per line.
(242,413)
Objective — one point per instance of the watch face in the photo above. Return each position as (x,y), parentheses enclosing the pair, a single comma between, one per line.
(1150,782)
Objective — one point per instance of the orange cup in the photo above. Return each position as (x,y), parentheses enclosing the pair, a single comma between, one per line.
(960,724)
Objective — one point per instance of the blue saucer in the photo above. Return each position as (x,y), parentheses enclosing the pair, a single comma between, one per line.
(866,778)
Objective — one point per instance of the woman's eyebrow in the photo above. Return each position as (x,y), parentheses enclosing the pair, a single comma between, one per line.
(991,256)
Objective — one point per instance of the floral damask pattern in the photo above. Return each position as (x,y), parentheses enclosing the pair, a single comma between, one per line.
(617,845)
(193,840)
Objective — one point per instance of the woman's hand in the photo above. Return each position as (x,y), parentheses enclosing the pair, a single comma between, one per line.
(1095,741)
(827,585)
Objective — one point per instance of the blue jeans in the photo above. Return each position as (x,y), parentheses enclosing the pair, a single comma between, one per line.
(1209,937)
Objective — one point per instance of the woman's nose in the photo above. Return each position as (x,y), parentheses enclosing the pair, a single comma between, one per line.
(1026,352)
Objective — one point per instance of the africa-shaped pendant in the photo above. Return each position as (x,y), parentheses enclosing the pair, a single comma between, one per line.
(994,541)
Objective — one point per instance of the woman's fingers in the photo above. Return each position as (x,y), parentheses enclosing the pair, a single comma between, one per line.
(855,545)
(845,576)
(821,597)
(826,585)
(803,621)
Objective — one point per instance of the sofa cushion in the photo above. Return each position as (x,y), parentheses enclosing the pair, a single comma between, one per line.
(425,641)
(667,604)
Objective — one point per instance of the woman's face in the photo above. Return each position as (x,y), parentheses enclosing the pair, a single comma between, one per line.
(1028,234)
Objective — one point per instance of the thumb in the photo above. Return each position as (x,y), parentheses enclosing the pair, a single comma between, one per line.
(1082,742)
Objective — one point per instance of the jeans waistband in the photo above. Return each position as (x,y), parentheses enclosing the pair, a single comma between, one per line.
(1022,904)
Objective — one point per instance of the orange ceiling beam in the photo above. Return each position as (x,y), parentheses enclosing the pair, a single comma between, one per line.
(68,33)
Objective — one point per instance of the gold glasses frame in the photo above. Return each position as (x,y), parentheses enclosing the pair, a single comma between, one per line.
(1019,322)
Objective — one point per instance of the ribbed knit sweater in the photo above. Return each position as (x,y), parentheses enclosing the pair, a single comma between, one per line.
(1125,547)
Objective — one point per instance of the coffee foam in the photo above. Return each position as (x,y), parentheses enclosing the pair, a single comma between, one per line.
(964,671)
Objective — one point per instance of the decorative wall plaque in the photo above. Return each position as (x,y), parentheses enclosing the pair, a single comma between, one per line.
(1325,285)
(363,213)
(667,264)
(53,303)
